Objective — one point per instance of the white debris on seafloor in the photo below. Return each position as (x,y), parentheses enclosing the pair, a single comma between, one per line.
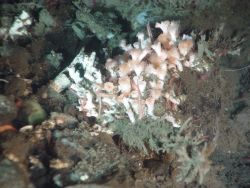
(83,85)
(18,28)
(62,81)
(71,74)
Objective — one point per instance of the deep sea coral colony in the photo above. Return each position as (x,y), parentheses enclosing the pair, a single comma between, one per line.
(141,85)
(141,81)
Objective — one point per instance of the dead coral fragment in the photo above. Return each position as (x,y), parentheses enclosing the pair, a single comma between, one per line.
(18,28)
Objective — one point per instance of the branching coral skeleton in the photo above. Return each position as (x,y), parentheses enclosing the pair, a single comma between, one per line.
(140,80)
(146,72)
(150,64)
(18,28)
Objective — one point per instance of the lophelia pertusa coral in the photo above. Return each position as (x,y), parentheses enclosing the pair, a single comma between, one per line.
(141,82)
(146,73)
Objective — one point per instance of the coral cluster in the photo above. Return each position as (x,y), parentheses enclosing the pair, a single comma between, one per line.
(142,80)
(140,83)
